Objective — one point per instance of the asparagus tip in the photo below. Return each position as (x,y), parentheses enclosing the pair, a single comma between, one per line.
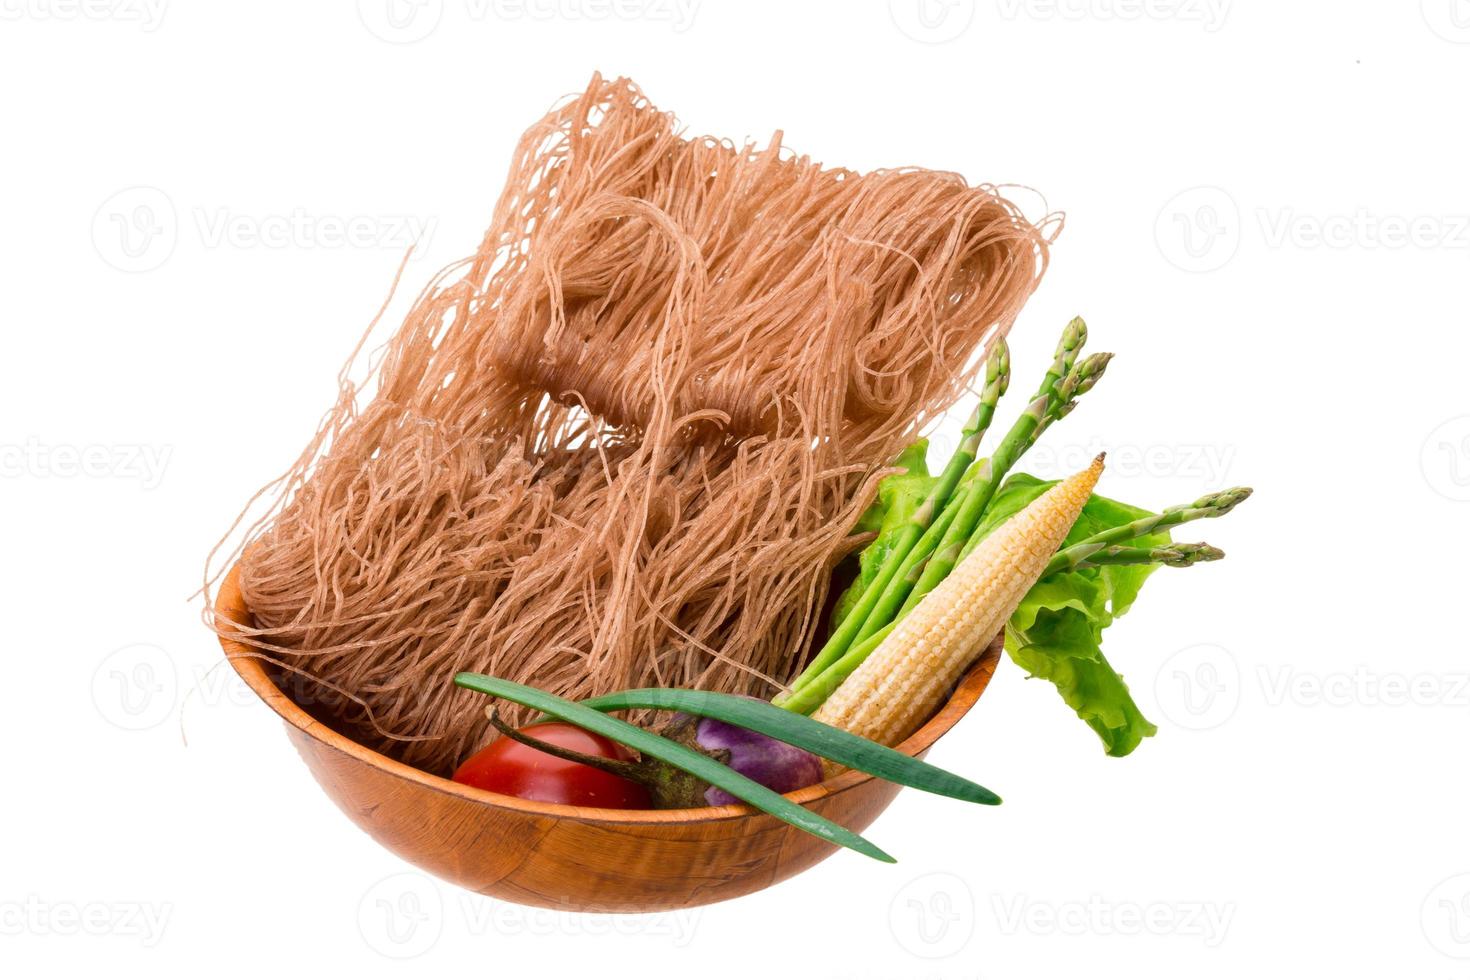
(1074,335)
(1184,555)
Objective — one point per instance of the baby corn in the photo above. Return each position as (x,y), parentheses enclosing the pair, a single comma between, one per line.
(902,682)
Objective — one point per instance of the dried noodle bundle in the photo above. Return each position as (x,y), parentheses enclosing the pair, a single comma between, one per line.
(623,443)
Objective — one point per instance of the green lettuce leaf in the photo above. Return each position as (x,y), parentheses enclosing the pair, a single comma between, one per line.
(1056,633)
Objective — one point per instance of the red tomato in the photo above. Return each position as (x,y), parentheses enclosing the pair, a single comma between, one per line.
(506,766)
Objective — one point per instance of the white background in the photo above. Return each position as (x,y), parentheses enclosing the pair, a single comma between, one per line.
(1267,220)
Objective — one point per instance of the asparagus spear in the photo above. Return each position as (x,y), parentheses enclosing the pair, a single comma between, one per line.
(997,379)
(1066,380)
(1176,555)
(1092,552)
(1078,382)
(1216,504)
(809,696)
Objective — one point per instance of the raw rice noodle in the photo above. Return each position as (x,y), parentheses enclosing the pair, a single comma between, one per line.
(623,443)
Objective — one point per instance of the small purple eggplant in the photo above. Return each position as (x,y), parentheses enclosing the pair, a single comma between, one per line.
(775,765)
(772,763)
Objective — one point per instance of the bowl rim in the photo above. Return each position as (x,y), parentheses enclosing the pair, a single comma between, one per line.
(230,606)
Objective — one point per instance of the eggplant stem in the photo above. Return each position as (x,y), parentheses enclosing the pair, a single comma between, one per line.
(627,770)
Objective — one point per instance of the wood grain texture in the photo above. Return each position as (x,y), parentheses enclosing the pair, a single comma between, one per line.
(577,858)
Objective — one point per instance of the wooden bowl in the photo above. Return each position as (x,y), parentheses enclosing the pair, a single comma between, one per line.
(568,857)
